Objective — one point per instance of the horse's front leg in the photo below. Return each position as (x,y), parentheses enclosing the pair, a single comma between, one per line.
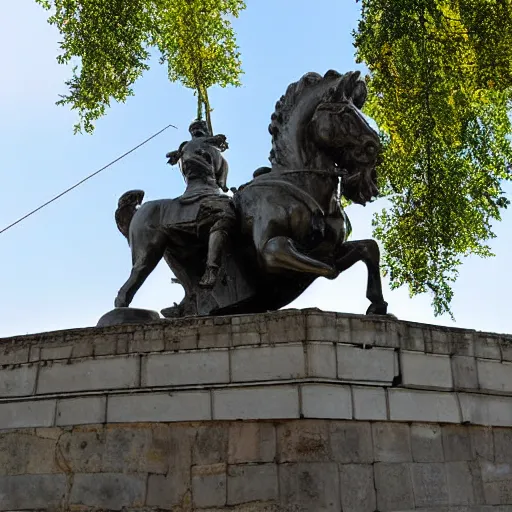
(367,251)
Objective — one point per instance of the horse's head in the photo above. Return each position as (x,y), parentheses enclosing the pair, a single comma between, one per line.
(318,124)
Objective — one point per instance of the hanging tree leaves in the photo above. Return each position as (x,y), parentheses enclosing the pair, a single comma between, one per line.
(109,43)
(440,90)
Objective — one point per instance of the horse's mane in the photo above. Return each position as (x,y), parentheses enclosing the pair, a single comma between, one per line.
(349,85)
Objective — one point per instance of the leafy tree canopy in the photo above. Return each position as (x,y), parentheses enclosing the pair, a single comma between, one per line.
(440,90)
(109,43)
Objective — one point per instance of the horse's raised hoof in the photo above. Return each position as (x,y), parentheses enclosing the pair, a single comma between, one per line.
(378,308)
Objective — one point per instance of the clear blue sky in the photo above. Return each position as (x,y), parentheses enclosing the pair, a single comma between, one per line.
(62,267)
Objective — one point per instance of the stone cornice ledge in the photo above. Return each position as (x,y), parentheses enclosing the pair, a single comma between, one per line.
(283,365)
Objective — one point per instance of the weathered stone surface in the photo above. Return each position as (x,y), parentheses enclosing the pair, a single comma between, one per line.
(326,401)
(248,483)
(209,485)
(179,406)
(423,406)
(251,442)
(482,443)
(357,488)
(266,402)
(456,443)
(321,359)
(111,491)
(27,414)
(303,441)
(20,381)
(89,374)
(464,373)
(210,445)
(460,484)
(81,411)
(427,443)
(495,376)
(351,442)
(487,346)
(497,483)
(14,355)
(31,492)
(201,367)
(486,410)
(430,371)
(391,442)
(430,484)
(369,403)
(377,364)
(313,486)
(268,363)
(394,487)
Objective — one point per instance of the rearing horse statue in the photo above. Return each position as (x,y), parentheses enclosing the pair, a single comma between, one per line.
(290,227)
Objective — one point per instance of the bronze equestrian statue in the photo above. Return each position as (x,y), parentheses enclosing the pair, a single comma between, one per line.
(260,249)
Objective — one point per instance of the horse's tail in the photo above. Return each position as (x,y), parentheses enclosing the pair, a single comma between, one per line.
(126,208)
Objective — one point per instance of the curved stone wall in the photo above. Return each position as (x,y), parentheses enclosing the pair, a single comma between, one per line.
(288,411)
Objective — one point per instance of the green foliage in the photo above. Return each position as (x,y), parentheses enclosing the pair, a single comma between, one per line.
(440,90)
(109,42)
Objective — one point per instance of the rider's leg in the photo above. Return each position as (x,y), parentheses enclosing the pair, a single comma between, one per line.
(216,243)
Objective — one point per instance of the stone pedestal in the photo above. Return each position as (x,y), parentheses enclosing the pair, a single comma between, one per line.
(289,411)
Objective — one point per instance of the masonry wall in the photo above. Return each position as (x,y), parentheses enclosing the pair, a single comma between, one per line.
(290,411)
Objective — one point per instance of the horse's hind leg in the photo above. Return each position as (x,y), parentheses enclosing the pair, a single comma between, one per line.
(367,251)
(280,253)
(147,251)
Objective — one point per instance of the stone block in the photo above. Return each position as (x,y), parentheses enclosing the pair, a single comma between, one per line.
(190,367)
(169,491)
(391,442)
(486,410)
(181,335)
(248,330)
(506,347)
(456,443)
(56,352)
(32,492)
(20,381)
(369,332)
(460,484)
(310,486)
(503,444)
(321,360)
(286,326)
(427,443)
(440,341)
(136,449)
(429,371)
(149,338)
(27,414)
(169,407)
(268,363)
(321,327)
(108,490)
(375,365)
(423,406)
(497,483)
(251,442)
(394,487)
(81,411)
(429,484)
(214,332)
(248,483)
(344,328)
(209,485)
(414,337)
(104,345)
(494,376)
(369,403)
(487,346)
(464,373)
(357,488)
(482,443)
(23,452)
(89,374)
(210,444)
(265,402)
(326,401)
(462,343)
(303,441)
(351,442)
(14,355)
(81,450)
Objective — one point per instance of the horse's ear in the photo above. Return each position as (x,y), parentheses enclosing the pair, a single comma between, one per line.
(359,94)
